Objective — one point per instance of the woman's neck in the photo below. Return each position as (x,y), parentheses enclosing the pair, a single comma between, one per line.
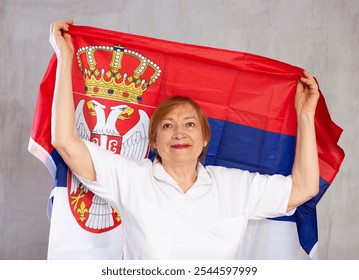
(184,175)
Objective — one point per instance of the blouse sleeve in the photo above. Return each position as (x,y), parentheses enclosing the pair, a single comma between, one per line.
(268,195)
(255,195)
(113,173)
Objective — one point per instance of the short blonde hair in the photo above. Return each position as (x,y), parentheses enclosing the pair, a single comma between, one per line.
(168,105)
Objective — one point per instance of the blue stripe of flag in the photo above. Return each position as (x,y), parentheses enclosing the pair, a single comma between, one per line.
(239,146)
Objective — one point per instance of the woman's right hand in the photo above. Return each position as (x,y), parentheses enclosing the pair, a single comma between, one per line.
(64,136)
(61,40)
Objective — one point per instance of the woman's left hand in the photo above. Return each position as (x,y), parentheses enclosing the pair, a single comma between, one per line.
(307,95)
(305,172)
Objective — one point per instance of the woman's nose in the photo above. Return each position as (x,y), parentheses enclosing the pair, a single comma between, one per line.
(178,133)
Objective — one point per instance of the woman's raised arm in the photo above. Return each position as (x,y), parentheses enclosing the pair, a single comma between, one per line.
(64,135)
(305,172)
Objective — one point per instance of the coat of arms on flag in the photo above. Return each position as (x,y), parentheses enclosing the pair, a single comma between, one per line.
(110,112)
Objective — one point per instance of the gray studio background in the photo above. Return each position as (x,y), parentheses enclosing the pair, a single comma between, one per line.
(319,35)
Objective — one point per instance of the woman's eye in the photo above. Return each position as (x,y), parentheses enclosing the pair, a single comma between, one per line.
(167,125)
(190,124)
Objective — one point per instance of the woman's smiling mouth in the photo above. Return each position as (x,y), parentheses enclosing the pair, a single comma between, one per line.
(180,146)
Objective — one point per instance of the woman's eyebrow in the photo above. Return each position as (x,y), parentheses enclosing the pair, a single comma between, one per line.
(186,118)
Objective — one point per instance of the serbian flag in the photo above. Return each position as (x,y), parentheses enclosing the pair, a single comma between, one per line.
(118,81)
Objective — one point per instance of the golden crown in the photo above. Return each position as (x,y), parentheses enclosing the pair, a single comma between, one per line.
(128,73)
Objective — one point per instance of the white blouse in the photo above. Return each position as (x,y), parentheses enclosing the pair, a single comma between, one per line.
(163,222)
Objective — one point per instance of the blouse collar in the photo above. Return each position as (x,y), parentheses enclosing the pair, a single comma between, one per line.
(161,174)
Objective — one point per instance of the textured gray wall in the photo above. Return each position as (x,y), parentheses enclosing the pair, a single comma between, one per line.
(319,35)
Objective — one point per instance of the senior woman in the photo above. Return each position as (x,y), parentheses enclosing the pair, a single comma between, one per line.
(174,207)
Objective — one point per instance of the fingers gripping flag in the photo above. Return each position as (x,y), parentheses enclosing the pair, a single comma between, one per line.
(118,81)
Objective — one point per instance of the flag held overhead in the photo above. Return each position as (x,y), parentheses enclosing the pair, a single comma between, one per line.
(118,81)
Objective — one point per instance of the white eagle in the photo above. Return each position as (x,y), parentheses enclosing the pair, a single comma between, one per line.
(134,145)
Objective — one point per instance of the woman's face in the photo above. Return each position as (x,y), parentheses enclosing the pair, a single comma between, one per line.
(179,136)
